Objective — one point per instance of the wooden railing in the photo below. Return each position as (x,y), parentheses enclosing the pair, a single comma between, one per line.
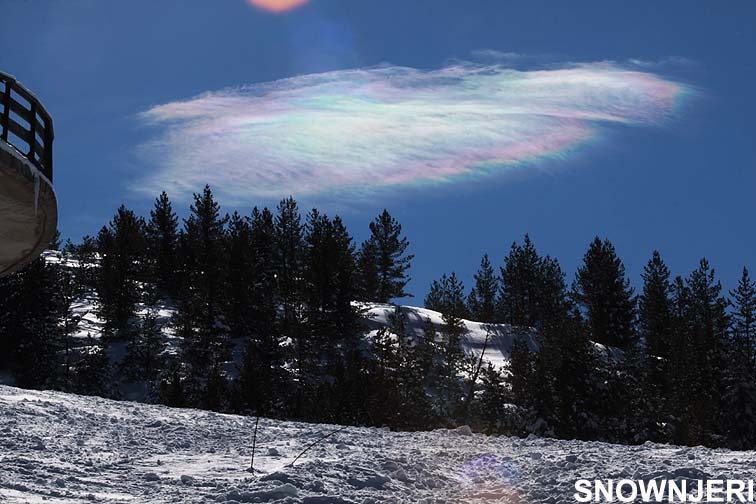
(26,125)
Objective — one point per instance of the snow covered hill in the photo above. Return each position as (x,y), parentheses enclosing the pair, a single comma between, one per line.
(62,448)
(497,346)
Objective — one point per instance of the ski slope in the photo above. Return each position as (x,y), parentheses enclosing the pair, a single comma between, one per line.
(61,448)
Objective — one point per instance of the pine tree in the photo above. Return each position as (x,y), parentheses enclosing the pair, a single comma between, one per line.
(531,287)
(451,355)
(651,368)
(575,386)
(603,290)
(92,374)
(482,299)
(161,244)
(705,335)
(739,397)
(121,246)
(84,256)
(447,296)
(145,351)
(240,284)
(368,282)
(520,285)
(215,396)
(393,262)
(331,320)
(200,305)
(171,389)
(33,309)
(289,246)
(654,307)
(493,399)
(70,291)
(744,319)
(414,357)
(520,369)
(262,379)
(385,380)
(8,318)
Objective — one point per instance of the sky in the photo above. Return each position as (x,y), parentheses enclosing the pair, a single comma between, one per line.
(473,122)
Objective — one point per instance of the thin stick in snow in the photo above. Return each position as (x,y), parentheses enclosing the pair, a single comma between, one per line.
(291,464)
(254,445)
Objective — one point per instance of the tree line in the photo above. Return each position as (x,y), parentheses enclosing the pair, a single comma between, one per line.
(674,363)
(264,315)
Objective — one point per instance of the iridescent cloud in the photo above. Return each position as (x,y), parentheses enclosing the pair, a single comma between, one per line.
(354,131)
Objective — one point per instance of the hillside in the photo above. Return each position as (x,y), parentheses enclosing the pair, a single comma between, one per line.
(62,448)
(495,339)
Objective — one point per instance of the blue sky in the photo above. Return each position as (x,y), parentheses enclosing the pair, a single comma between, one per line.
(673,167)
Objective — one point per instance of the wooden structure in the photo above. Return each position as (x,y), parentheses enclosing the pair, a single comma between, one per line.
(28,205)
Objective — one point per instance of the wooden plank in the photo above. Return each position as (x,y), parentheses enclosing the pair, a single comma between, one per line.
(19,131)
(20,110)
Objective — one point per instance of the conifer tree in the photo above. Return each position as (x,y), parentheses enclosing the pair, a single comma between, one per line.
(200,305)
(575,386)
(289,246)
(706,330)
(368,282)
(8,318)
(493,398)
(31,324)
(603,290)
(393,261)
(447,296)
(654,307)
(161,244)
(739,398)
(414,356)
(145,351)
(85,255)
(70,291)
(240,283)
(329,290)
(92,372)
(262,379)
(744,319)
(450,363)
(121,247)
(482,299)
(520,285)
(171,389)
(520,372)
(531,287)
(385,382)
(650,366)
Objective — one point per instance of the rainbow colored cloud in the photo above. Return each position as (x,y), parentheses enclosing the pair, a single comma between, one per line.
(351,131)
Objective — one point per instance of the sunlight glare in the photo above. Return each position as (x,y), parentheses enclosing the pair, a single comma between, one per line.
(277,5)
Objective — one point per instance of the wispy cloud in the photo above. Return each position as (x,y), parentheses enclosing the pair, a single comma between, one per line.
(354,131)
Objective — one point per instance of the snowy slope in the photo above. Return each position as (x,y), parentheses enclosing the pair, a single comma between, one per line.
(57,448)
(500,336)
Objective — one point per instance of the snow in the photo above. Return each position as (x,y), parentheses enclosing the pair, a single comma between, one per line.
(500,336)
(61,448)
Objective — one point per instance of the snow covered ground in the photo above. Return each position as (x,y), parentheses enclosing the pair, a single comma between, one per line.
(57,448)
(496,338)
